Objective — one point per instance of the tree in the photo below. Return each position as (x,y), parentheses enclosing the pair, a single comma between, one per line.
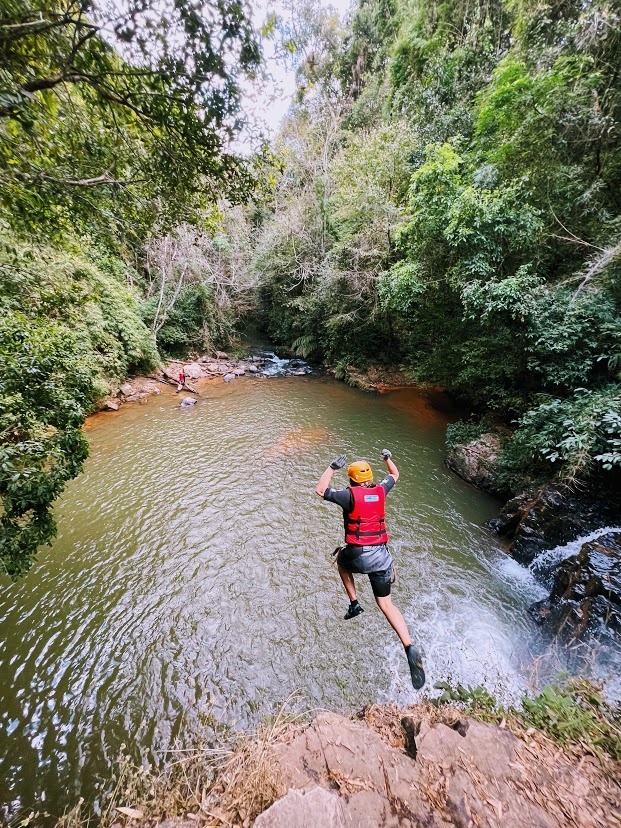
(45,389)
(114,123)
(137,104)
(199,281)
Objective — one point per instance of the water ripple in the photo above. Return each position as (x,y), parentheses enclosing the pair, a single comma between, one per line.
(192,573)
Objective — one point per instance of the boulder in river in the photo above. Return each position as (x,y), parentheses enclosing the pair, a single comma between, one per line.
(229,377)
(111,405)
(476,461)
(193,370)
(586,595)
(126,389)
(187,402)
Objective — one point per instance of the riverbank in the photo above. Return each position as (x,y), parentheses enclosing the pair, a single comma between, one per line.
(216,368)
(554,763)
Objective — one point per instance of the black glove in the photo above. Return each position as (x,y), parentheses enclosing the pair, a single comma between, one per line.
(386,454)
(339,462)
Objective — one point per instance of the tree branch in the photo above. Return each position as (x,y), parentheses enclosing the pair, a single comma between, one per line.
(105,178)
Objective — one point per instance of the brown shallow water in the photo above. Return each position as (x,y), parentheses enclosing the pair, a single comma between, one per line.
(192,576)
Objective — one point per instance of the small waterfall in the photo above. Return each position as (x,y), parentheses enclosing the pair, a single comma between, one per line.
(274,366)
(542,567)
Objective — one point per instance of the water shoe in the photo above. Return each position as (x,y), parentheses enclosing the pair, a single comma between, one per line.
(353,610)
(415,660)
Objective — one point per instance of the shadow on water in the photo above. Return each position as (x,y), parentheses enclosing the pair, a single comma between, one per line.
(192,575)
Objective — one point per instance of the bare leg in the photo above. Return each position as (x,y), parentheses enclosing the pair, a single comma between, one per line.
(348,583)
(394,618)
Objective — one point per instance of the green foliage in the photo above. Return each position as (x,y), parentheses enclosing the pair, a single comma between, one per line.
(475,698)
(67,326)
(192,322)
(570,712)
(113,126)
(87,292)
(576,712)
(462,432)
(573,434)
(304,346)
(89,137)
(448,197)
(46,387)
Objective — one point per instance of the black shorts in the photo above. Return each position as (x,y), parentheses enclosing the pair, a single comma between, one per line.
(374,561)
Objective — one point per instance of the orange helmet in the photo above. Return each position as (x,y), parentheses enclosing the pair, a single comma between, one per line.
(360,472)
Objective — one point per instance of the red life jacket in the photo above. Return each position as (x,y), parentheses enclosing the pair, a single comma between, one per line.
(365,525)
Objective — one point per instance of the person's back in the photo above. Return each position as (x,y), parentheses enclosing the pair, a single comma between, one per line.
(365,551)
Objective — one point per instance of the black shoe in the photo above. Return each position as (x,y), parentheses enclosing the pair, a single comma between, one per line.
(415,660)
(353,610)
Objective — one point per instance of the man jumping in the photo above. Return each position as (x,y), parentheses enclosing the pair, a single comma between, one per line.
(366,552)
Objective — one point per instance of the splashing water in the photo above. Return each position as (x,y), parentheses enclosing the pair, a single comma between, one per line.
(544,565)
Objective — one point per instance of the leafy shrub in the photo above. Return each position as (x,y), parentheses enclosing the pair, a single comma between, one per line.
(576,712)
(572,711)
(85,290)
(191,324)
(571,435)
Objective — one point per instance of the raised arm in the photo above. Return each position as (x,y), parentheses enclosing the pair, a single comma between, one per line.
(392,469)
(326,477)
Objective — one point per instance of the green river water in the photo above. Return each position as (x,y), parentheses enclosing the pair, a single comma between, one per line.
(192,576)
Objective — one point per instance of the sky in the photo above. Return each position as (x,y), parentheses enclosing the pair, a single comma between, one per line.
(269,102)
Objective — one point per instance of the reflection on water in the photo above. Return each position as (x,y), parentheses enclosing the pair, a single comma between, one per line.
(192,572)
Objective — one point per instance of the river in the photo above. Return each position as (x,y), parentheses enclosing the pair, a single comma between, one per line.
(191,579)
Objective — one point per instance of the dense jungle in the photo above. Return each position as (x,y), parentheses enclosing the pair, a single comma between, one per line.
(437,216)
(444,194)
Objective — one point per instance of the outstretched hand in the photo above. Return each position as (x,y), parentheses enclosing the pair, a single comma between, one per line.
(386,454)
(338,462)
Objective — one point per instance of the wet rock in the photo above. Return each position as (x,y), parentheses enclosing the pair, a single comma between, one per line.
(126,389)
(586,595)
(187,402)
(229,377)
(551,517)
(214,368)
(304,809)
(476,461)
(253,369)
(111,405)
(239,372)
